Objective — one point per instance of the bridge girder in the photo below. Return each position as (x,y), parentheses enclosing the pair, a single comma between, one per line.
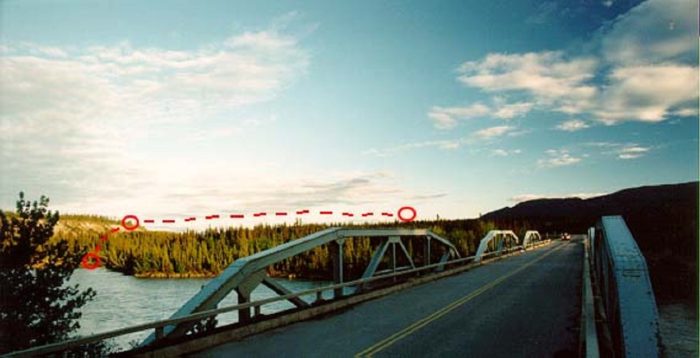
(246,273)
(531,235)
(499,238)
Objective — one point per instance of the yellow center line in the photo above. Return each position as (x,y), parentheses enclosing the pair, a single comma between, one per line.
(445,310)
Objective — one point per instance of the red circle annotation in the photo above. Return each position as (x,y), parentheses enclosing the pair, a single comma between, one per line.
(409,218)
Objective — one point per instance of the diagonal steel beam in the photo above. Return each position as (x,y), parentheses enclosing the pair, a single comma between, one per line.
(281,290)
(376,259)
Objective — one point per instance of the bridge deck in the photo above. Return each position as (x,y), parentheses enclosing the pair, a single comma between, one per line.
(531,310)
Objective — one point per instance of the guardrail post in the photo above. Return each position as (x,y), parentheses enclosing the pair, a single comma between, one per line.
(337,258)
(393,253)
(590,347)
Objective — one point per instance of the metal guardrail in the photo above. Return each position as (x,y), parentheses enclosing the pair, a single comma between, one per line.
(589,332)
(623,282)
(159,325)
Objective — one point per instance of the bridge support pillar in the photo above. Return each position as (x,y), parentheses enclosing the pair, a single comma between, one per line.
(244,290)
(337,258)
(426,251)
(243,313)
(392,260)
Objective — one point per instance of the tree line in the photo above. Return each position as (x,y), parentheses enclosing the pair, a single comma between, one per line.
(206,253)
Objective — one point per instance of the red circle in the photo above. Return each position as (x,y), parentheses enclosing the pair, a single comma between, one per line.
(407,219)
(127,227)
(96,261)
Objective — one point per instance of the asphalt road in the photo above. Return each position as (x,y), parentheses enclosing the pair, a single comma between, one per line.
(524,306)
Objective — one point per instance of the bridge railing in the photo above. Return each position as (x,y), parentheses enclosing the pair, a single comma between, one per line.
(623,282)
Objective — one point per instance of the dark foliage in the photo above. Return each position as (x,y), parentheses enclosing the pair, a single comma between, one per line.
(36,307)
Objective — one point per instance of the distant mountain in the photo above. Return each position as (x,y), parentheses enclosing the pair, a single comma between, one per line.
(663,220)
(655,199)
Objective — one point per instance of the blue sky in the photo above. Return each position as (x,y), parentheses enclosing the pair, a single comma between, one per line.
(174,109)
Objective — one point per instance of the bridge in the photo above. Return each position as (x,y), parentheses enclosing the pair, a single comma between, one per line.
(588,296)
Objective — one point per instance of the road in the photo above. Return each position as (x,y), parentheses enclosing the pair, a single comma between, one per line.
(524,306)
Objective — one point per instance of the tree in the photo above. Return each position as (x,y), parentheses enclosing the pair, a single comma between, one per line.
(36,306)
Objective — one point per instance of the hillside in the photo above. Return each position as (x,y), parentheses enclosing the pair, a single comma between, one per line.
(662,218)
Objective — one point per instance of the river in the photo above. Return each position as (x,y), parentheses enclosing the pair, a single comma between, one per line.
(123,301)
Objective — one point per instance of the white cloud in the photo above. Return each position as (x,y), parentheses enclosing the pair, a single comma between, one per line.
(572,125)
(632,152)
(88,125)
(447,144)
(505,152)
(549,77)
(621,150)
(446,117)
(649,93)
(512,110)
(653,32)
(493,132)
(527,197)
(646,70)
(557,158)
(135,85)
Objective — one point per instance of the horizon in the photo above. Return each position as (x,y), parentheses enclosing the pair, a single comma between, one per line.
(176,109)
(312,220)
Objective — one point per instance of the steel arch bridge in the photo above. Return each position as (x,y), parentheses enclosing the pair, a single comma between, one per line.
(247,273)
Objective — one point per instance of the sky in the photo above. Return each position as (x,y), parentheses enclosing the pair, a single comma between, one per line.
(172,109)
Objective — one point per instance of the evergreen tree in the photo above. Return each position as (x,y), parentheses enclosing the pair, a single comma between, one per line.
(35,306)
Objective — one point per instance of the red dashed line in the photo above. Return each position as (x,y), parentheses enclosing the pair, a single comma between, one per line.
(116,229)
(103,238)
(276,213)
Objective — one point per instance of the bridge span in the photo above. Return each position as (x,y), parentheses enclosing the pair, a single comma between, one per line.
(527,305)
(590,296)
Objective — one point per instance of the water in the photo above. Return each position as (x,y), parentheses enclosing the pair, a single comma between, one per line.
(678,324)
(124,301)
